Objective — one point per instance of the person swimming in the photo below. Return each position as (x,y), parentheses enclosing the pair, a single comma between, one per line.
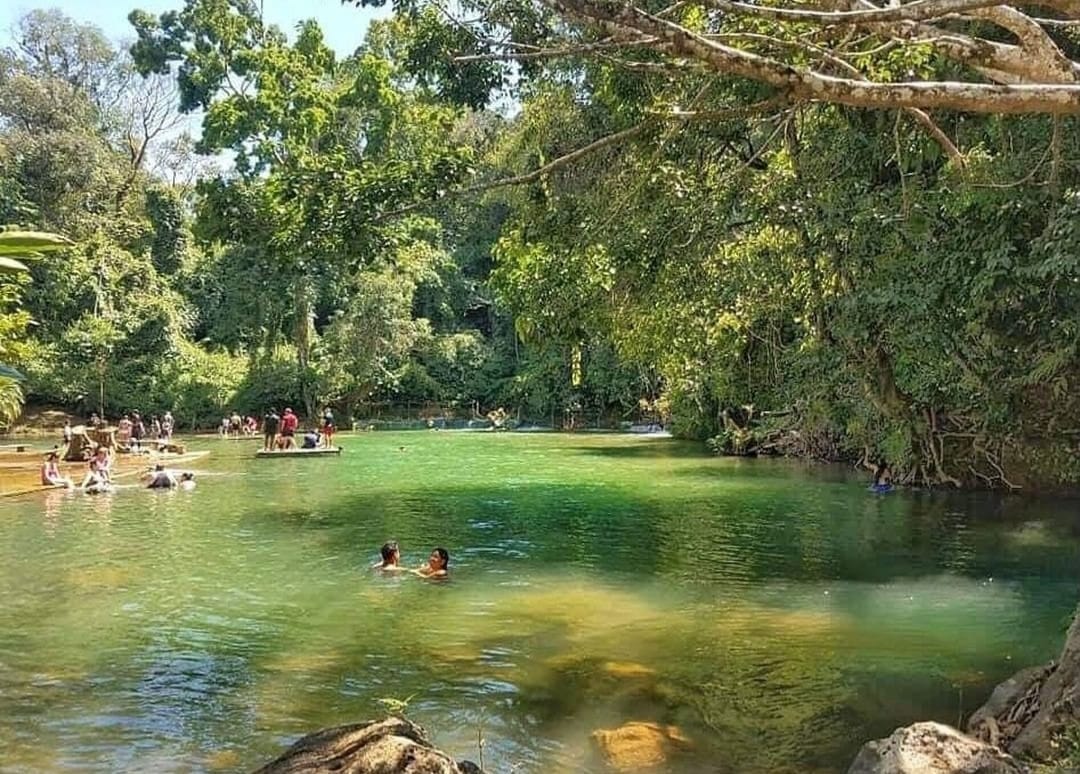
(437,566)
(187,480)
(391,558)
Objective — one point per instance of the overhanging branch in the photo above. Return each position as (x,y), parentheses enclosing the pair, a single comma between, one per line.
(810,85)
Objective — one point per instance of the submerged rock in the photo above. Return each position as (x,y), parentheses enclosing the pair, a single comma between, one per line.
(932,748)
(638,745)
(628,670)
(391,746)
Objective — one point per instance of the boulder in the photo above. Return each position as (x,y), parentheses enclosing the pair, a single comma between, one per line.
(1027,712)
(1009,708)
(638,745)
(932,748)
(390,746)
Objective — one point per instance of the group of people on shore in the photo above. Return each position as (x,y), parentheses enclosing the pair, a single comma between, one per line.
(235,426)
(436,566)
(132,431)
(279,431)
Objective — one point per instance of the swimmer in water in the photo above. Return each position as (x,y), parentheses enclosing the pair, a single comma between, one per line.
(391,558)
(437,566)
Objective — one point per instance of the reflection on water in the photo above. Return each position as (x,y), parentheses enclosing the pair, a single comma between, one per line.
(774,615)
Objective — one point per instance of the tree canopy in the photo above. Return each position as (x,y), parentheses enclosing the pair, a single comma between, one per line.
(840,231)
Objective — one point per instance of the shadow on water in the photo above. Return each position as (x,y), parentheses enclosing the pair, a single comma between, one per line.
(718,538)
(643,448)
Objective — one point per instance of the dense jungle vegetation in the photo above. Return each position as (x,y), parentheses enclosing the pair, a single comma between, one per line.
(465,213)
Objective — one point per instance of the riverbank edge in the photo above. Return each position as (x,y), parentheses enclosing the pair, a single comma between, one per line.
(1030,723)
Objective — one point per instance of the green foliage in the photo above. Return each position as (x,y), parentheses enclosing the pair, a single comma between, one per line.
(11,400)
(827,261)
(273,379)
(170,245)
(27,245)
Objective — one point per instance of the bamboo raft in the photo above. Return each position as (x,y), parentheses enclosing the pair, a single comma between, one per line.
(266,453)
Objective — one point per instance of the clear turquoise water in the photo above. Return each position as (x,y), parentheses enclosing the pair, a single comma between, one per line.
(777,613)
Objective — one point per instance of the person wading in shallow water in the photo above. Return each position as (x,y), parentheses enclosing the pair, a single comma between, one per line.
(437,566)
(98,476)
(161,478)
(882,478)
(51,475)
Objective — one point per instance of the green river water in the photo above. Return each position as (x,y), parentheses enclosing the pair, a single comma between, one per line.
(777,613)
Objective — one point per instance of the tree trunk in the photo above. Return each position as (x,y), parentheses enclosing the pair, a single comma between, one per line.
(304,338)
(102,367)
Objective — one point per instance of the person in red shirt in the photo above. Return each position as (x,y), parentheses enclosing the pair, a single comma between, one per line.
(289,423)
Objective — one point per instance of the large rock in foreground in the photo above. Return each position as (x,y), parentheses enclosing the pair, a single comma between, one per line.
(932,748)
(1026,714)
(391,746)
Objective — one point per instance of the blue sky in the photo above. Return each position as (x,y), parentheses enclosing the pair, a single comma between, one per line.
(343,25)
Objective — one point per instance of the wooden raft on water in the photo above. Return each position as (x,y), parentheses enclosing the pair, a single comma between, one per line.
(264,453)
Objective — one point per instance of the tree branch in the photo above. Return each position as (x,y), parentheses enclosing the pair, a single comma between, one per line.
(600,144)
(806,84)
(921,10)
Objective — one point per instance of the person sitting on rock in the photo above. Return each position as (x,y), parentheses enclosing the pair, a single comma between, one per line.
(311,440)
(437,565)
(391,558)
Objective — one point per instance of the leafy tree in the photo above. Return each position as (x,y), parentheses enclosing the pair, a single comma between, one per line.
(322,147)
(16,247)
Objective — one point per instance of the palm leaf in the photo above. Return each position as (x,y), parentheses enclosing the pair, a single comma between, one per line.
(11,266)
(31,243)
(11,401)
(7,372)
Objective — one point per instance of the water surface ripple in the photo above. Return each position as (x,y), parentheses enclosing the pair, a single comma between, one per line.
(777,613)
